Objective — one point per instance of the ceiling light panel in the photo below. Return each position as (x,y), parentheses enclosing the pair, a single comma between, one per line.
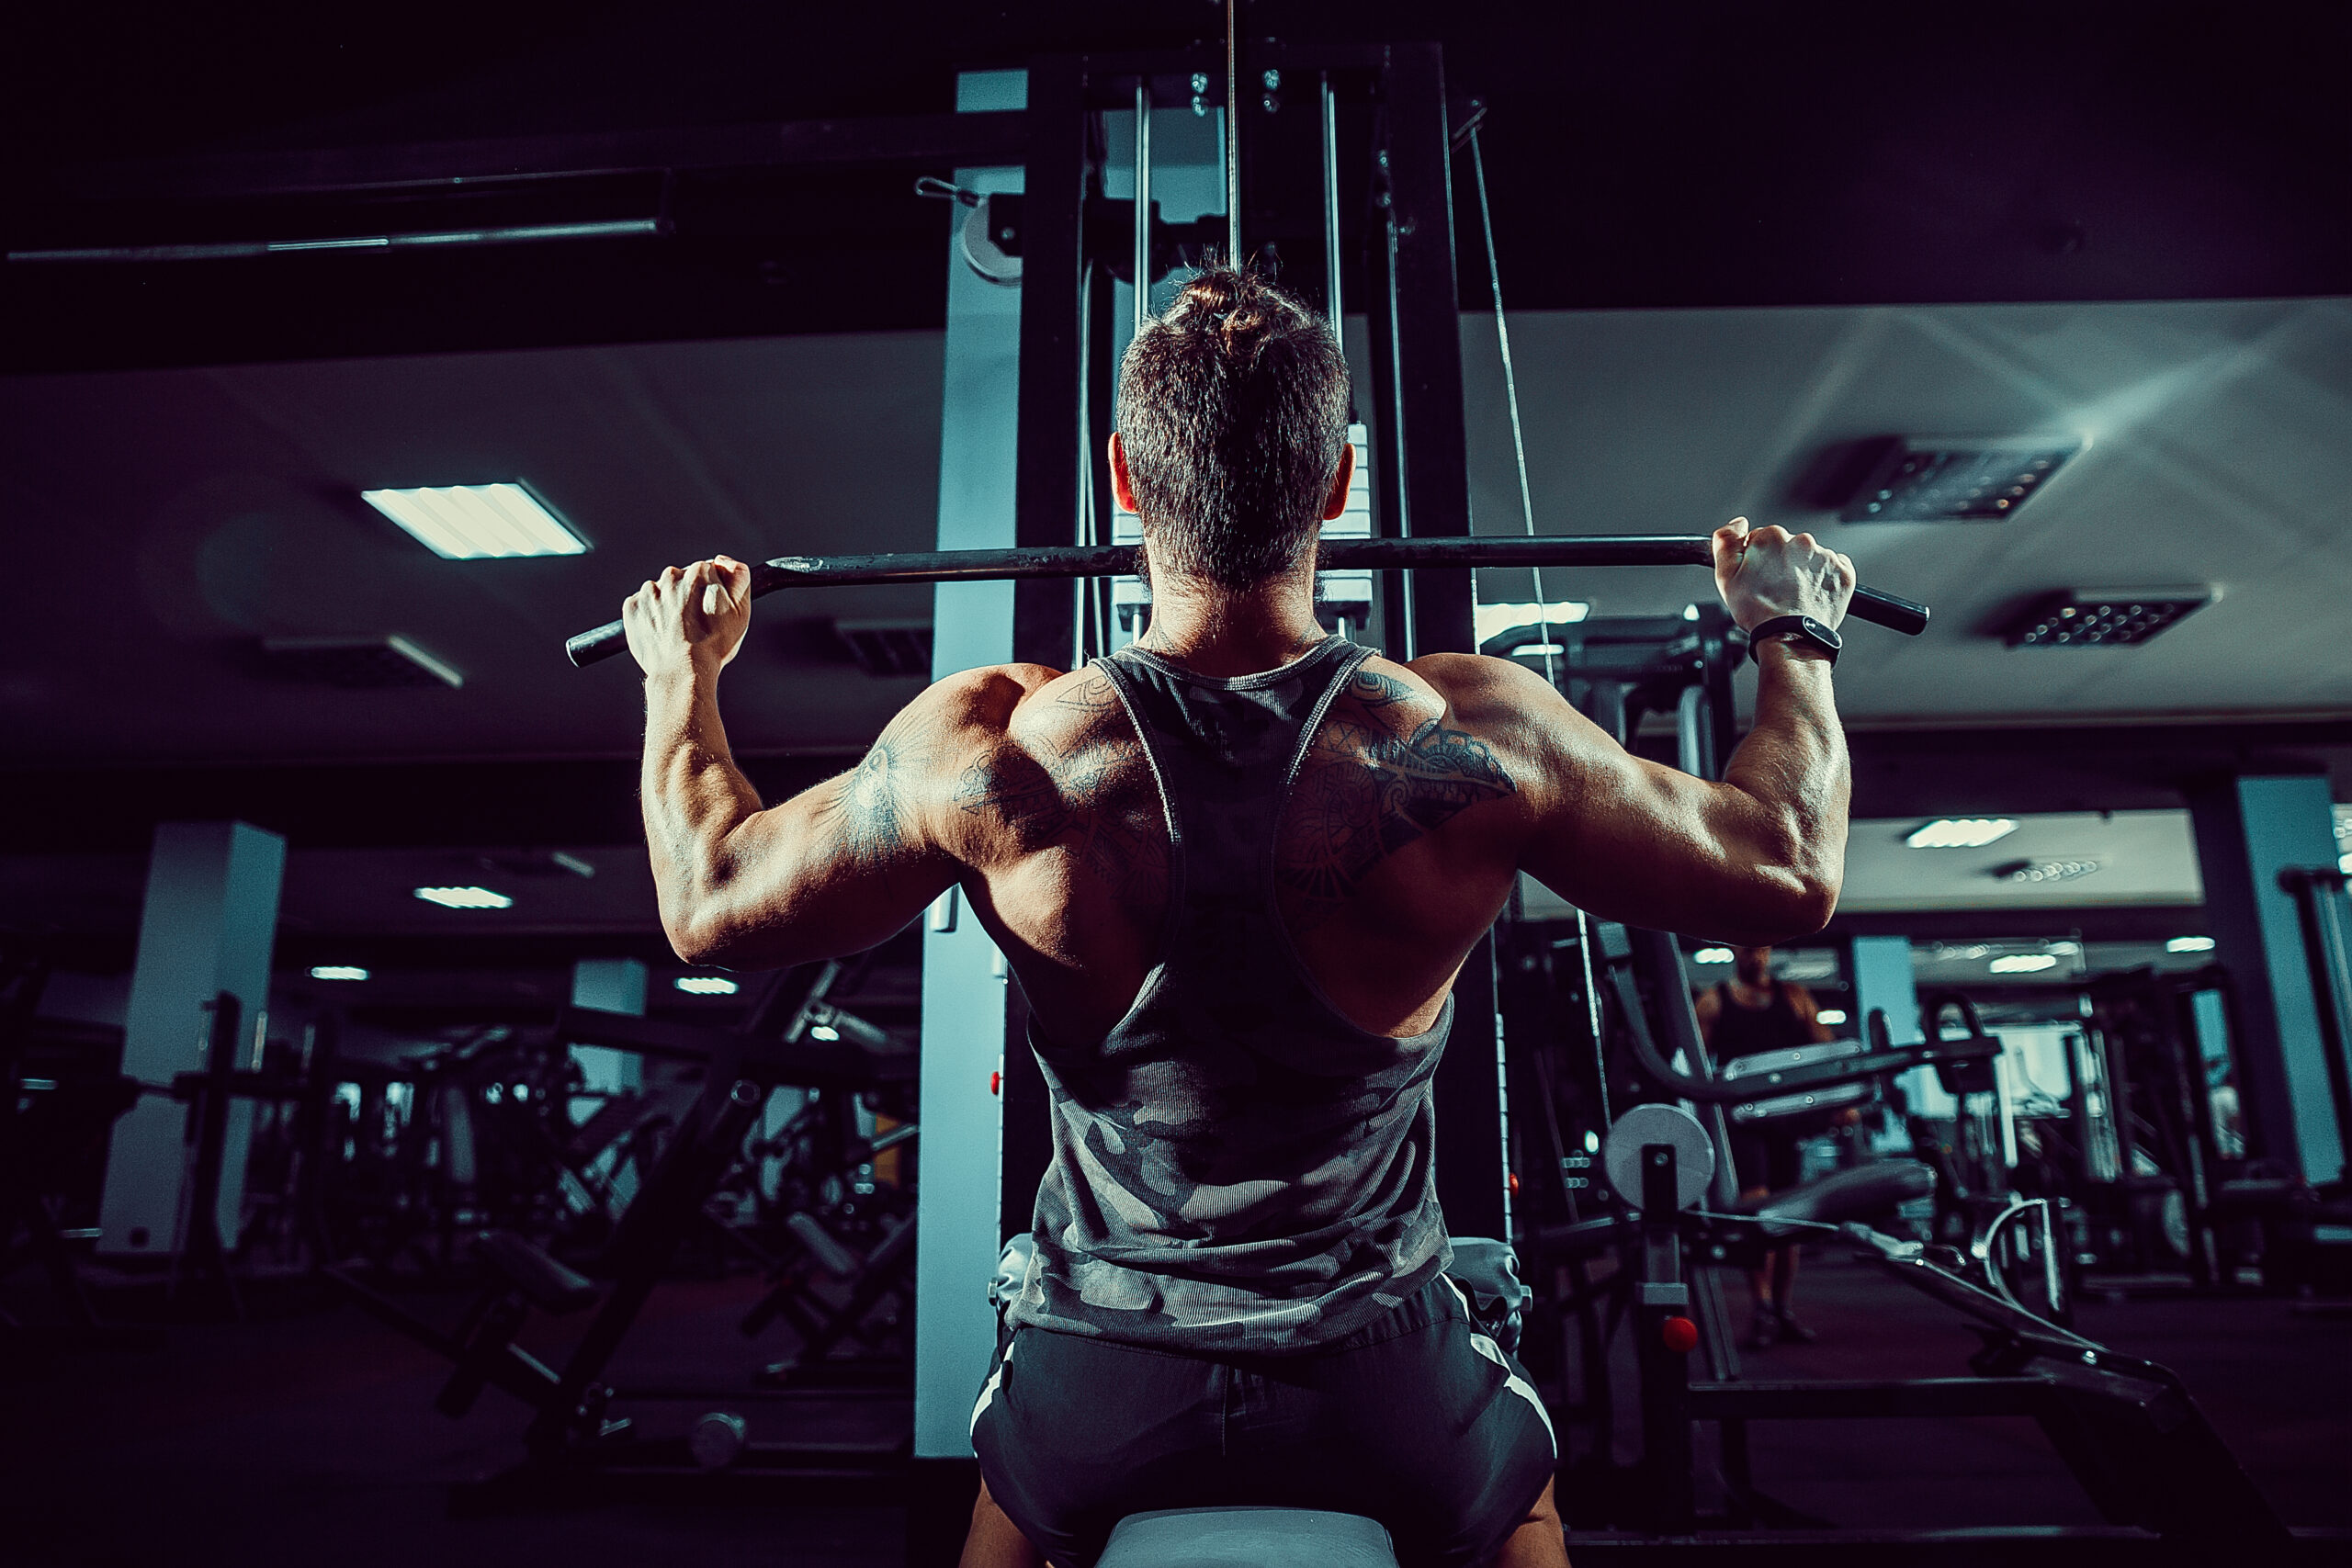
(478,522)
(2189,945)
(1947,481)
(337,972)
(2023,962)
(2105,618)
(2034,873)
(705,985)
(1960,832)
(465,897)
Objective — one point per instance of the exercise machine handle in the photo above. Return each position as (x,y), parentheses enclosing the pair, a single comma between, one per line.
(1888,610)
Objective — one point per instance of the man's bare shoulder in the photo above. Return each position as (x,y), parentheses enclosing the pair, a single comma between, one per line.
(1482,689)
(982,702)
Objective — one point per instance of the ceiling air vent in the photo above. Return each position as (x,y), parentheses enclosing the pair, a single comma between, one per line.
(1916,481)
(2104,618)
(887,647)
(356,662)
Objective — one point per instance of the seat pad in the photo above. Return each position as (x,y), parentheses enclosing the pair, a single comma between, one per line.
(1248,1537)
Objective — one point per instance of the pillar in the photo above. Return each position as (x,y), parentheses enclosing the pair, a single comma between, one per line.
(958,1209)
(1883,982)
(2248,831)
(207,926)
(608,984)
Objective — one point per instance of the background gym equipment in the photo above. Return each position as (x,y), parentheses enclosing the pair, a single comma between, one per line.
(578,1445)
(2124,1428)
(1050,562)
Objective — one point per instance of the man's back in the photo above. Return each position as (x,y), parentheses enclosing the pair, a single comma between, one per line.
(1385,871)
(1238,1166)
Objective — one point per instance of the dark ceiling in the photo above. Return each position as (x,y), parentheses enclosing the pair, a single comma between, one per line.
(1642,156)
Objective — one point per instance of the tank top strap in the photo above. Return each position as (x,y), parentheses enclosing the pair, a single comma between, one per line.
(1224,752)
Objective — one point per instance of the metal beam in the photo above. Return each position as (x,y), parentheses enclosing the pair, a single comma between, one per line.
(936,140)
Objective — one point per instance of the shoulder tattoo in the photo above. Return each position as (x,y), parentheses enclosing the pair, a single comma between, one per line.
(873,804)
(1375,779)
(1087,790)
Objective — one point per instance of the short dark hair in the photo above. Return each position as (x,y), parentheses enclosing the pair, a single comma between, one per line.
(1233,411)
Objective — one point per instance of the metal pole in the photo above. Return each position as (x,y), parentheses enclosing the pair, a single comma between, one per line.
(1232,133)
(1332,304)
(1143,204)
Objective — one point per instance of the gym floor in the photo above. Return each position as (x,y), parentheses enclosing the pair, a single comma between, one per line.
(307,1435)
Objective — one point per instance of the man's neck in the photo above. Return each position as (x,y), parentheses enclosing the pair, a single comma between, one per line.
(1224,632)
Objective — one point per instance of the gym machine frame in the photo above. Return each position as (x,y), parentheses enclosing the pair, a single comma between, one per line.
(2127,1430)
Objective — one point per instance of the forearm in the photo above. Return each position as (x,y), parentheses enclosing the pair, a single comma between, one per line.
(693,797)
(1792,768)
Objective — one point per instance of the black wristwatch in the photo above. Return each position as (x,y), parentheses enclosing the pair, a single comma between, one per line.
(1804,626)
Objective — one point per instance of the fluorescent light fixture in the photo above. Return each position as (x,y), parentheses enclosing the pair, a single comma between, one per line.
(2031,872)
(337,972)
(1490,621)
(705,985)
(478,522)
(1712,955)
(1831,1015)
(2189,945)
(464,898)
(823,1032)
(2024,962)
(1961,833)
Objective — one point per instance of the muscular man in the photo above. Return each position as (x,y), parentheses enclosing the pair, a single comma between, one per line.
(1235,869)
(1747,1015)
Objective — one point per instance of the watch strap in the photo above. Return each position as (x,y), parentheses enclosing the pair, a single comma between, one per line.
(1804,626)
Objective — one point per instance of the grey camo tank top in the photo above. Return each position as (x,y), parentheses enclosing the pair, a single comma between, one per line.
(1236,1169)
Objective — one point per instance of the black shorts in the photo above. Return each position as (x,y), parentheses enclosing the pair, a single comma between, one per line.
(1773,1160)
(1419,1421)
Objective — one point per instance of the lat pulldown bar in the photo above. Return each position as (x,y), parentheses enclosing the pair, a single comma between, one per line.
(1334,554)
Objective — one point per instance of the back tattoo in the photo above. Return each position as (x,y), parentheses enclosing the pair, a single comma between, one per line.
(1375,779)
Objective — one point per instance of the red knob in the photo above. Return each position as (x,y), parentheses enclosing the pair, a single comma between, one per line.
(996,1082)
(1514,1184)
(1679,1333)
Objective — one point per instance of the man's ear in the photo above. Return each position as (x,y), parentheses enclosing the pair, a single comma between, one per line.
(1120,486)
(1337,502)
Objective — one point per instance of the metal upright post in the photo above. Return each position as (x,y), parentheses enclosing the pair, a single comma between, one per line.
(1053,336)
(1418,371)
(1143,205)
(1666,1373)
(1332,304)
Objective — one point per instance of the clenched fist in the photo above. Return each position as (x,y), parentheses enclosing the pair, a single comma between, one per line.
(690,620)
(1769,573)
